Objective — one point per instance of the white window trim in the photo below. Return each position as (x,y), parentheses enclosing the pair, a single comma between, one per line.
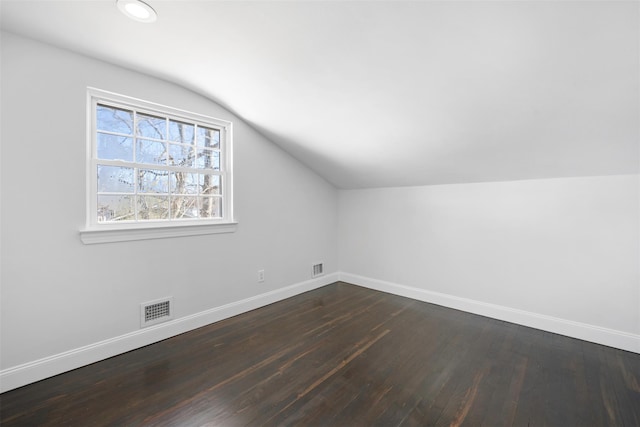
(94,232)
(93,236)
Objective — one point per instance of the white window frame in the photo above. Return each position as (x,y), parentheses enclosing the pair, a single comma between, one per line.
(106,232)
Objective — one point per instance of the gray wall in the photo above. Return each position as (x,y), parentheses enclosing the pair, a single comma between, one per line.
(565,248)
(59,294)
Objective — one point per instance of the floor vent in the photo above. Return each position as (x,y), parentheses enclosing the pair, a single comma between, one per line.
(317,270)
(157,311)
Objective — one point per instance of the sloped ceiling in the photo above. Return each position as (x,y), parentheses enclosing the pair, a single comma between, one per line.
(389,93)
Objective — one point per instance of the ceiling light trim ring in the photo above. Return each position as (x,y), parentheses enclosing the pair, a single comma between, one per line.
(137,10)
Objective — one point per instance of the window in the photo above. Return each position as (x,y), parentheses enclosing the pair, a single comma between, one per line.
(155,171)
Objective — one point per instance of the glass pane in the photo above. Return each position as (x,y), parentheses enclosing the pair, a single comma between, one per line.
(181,132)
(209,184)
(184,207)
(152,127)
(152,152)
(114,119)
(115,208)
(153,181)
(114,179)
(113,147)
(208,159)
(180,155)
(153,207)
(184,183)
(208,137)
(210,207)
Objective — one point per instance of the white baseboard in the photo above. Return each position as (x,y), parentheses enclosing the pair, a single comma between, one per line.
(37,370)
(609,337)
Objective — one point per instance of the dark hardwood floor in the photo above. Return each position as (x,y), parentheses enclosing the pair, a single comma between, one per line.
(345,356)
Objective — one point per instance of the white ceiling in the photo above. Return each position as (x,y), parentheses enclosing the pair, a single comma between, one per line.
(389,93)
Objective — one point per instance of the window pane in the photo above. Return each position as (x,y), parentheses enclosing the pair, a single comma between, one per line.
(115,208)
(114,179)
(210,207)
(184,183)
(153,181)
(208,159)
(208,137)
(114,119)
(113,147)
(153,207)
(151,126)
(184,207)
(209,184)
(180,155)
(181,132)
(152,152)
(154,165)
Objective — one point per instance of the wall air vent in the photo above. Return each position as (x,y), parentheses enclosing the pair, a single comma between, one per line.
(317,269)
(157,311)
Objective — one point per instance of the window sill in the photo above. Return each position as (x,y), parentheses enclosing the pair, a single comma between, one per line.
(90,236)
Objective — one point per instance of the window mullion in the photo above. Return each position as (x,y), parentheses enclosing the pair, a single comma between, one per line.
(126,164)
(136,171)
(169,173)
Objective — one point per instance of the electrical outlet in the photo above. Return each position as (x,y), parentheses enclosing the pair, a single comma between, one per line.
(260,276)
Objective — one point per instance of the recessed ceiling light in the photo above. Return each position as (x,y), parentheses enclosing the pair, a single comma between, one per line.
(138,10)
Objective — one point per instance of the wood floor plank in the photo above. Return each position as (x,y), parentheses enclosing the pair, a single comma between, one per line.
(343,355)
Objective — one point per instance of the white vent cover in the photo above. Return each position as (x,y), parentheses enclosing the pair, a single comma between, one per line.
(317,269)
(156,311)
